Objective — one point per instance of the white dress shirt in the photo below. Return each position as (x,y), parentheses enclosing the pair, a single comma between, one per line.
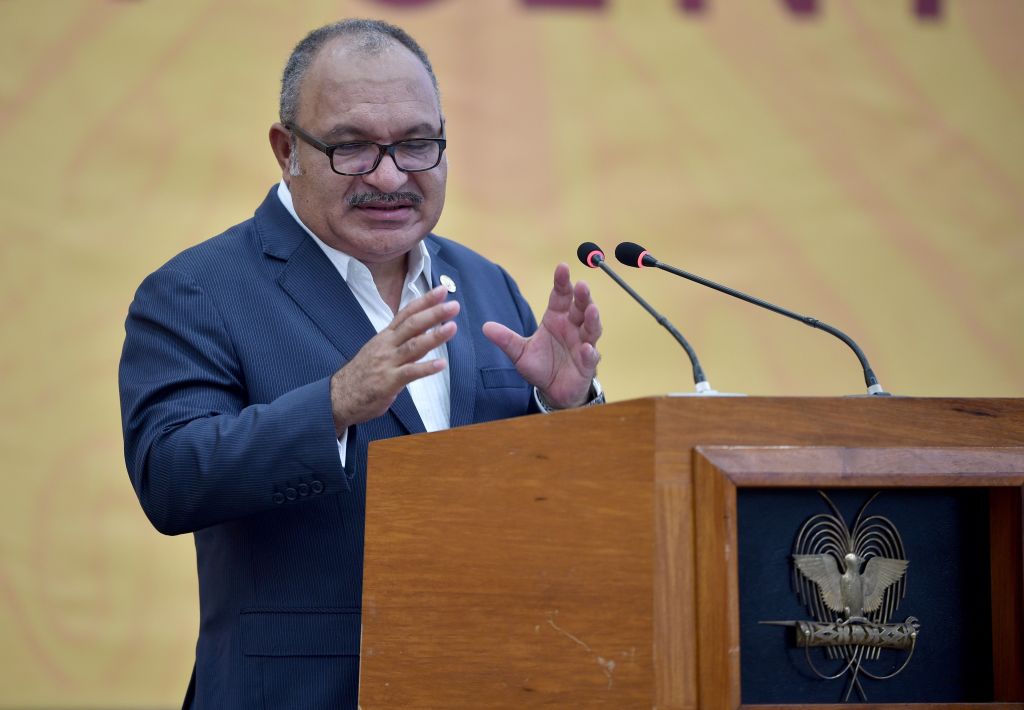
(431,395)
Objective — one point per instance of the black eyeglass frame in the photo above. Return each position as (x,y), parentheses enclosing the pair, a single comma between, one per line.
(382,149)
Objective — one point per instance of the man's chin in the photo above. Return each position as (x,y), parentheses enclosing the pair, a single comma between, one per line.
(383,241)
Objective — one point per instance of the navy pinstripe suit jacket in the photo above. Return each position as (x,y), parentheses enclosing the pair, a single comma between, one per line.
(228,433)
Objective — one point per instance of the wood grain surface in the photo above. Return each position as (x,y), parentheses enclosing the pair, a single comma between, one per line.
(553,561)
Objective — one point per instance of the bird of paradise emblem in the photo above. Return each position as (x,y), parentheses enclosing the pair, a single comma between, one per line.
(851,580)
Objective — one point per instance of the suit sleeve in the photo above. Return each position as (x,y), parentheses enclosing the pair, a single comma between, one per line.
(197,452)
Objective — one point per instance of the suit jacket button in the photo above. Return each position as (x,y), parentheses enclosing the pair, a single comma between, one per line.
(317,487)
(278,498)
(290,493)
(303,489)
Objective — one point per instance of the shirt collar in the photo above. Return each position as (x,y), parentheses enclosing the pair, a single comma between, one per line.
(419,258)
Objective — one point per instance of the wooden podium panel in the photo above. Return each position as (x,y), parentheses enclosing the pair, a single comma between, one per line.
(505,569)
(551,561)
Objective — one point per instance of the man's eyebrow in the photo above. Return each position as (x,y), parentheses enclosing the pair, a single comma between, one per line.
(344,132)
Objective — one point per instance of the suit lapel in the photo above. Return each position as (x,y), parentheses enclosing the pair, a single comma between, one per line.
(315,285)
(311,280)
(461,352)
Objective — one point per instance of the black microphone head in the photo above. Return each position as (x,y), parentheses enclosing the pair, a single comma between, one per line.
(590,254)
(634,255)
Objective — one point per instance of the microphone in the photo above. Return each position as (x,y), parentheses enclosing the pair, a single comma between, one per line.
(592,257)
(636,256)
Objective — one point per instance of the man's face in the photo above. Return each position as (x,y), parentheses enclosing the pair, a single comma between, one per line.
(384,97)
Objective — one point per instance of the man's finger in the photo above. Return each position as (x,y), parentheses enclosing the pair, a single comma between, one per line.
(431,298)
(418,370)
(591,329)
(589,357)
(418,346)
(424,320)
(561,291)
(510,342)
(581,300)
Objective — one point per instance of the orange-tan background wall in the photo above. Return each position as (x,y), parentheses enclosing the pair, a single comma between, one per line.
(863,164)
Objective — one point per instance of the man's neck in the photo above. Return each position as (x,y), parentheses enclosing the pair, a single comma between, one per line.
(389,278)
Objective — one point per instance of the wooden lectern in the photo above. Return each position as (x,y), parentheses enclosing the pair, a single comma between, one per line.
(588,558)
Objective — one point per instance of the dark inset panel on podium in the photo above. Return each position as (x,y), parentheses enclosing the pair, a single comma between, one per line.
(946,587)
(937,554)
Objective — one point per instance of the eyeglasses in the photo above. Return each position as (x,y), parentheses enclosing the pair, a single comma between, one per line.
(362,157)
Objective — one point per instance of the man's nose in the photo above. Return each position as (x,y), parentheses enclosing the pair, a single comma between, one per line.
(387,177)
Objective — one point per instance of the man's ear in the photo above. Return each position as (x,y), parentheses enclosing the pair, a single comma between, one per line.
(282,145)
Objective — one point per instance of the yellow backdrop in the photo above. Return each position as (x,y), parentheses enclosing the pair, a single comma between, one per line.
(864,165)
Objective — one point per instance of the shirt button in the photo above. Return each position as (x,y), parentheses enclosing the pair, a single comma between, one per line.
(303,489)
(278,498)
(290,494)
(316,487)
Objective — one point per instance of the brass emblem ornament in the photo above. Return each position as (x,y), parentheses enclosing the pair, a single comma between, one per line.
(851,581)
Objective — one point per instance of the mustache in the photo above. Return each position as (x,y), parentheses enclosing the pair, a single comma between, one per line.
(384,198)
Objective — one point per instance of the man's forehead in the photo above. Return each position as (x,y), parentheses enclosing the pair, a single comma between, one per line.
(341,60)
(357,128)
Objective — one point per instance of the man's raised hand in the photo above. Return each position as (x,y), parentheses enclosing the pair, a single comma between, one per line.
(368,384)
(560,358)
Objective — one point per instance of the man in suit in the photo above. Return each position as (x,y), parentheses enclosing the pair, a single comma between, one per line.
(258,365)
